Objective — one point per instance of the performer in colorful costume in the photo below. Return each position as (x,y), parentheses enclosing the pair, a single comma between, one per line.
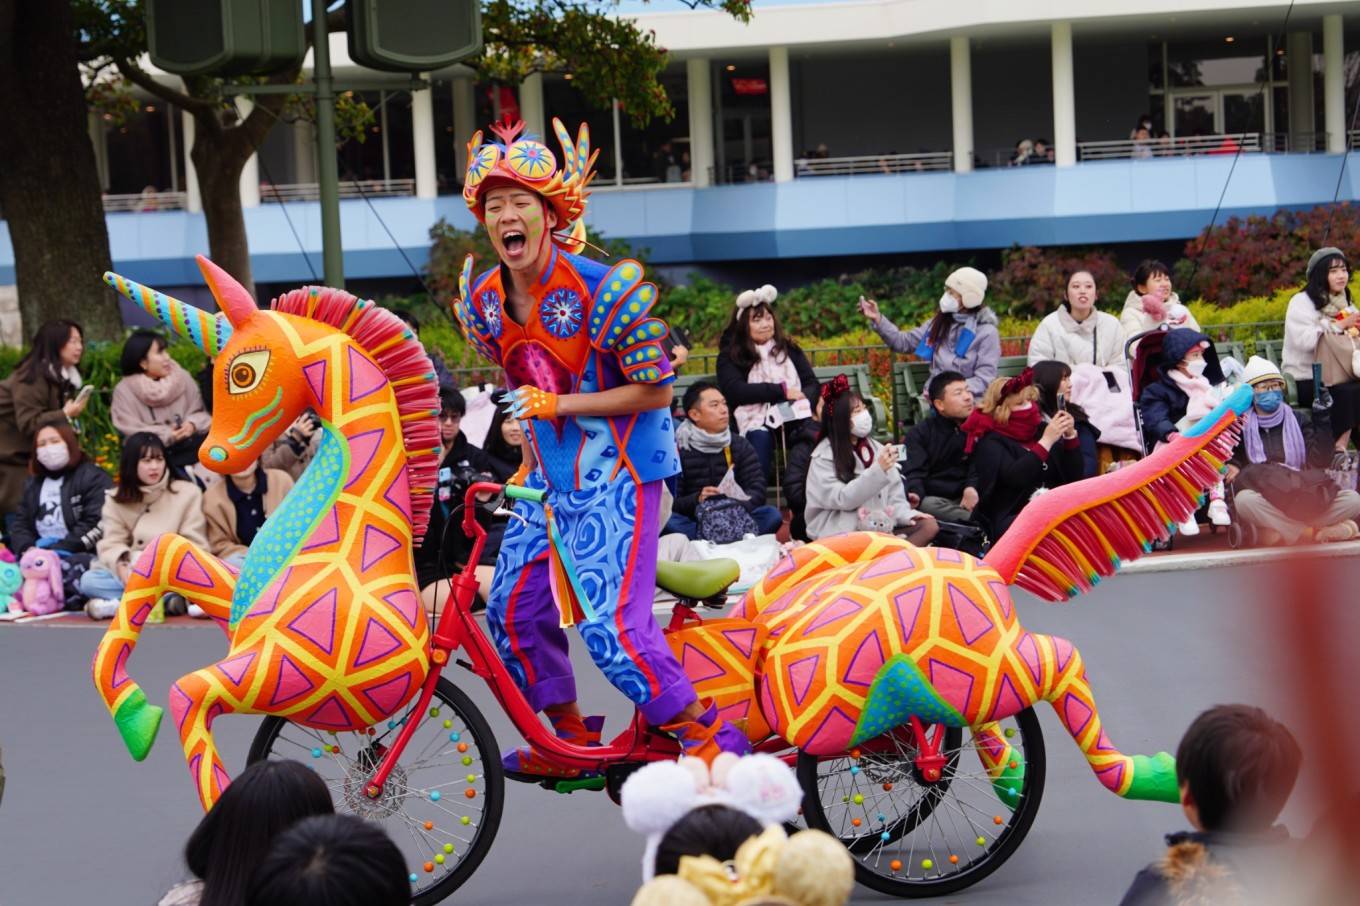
(592,383)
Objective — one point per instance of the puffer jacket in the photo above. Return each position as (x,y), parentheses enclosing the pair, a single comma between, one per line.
(972,346)
(82,502)
(1099,340)
(701,470)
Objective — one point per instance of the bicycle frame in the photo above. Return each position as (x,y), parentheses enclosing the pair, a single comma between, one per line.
(458,628)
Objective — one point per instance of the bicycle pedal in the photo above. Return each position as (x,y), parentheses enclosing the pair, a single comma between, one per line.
(566,787)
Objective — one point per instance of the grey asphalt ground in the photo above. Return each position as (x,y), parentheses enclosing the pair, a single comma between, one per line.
(81,823)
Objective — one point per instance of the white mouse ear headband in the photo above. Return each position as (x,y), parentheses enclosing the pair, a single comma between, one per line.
(660,794)
(752,297)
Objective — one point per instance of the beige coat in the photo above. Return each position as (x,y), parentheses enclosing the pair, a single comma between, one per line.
(1135,321)
(24,407)
(168,507)
(179,400)
(220,513)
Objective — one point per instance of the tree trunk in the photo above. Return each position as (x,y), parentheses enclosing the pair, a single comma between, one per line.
(49,183)
(219,156)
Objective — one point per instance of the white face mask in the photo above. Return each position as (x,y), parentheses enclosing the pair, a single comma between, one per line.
(54,457)
(861,423)
(1196,367)
(948,304)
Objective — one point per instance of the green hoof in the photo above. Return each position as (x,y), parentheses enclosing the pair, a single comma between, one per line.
(138,722)
(1154,779)
(1010,782)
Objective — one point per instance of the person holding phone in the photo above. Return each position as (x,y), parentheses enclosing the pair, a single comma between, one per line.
(1320,326)
(44,388)
(1054,380)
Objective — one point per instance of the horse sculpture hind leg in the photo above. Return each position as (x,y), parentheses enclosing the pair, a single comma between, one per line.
(170,564)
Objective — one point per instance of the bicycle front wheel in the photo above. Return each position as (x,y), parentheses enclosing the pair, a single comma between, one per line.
(443,801)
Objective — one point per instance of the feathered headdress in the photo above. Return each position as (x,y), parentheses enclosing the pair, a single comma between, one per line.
(524,161)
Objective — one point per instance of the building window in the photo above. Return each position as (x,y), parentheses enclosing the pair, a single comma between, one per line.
(659,152)
(561,99)
(743,143)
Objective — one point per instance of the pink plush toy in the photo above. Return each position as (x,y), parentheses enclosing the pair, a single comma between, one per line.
(42,591)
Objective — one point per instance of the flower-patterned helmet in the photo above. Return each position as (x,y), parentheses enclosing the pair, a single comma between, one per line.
(522,160)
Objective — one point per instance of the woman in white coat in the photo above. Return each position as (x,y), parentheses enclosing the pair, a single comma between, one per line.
(1078,334)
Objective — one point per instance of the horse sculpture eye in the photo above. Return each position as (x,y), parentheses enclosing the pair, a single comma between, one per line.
(247,370)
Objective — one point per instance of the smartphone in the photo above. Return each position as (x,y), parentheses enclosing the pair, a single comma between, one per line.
(1062,403)
(901,452)
(85,393)
(680,337)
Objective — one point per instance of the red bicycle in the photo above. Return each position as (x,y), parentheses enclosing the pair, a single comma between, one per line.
(920,819)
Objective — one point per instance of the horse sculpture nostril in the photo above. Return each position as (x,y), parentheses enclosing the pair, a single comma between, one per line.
(217,454)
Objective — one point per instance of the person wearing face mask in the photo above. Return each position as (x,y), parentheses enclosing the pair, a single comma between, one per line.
(1277,470)
(1077,333)
(1015,452)
(961,337)
(851,472)
(62,500)
(157,395)
(1191,385)
(765,377)
(147,503)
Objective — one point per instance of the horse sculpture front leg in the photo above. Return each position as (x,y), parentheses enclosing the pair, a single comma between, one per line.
(170,564)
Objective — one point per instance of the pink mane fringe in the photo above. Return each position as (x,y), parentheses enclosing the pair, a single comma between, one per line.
(387,339)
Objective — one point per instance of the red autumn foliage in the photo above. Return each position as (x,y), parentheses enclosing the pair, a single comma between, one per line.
(1033,280)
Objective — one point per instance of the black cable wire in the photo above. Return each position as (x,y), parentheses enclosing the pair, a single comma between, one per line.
(1265,81)
(1345,153)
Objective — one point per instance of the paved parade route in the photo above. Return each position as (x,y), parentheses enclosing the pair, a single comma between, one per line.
(83,824)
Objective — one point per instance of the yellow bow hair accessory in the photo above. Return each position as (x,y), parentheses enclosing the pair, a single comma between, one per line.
(749,874)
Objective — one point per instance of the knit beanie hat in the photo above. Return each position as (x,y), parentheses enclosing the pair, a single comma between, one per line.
(1259,369)
(969,283)
(1322,255)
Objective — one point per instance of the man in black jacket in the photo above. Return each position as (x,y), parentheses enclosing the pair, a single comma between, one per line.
(708,450)
(941,480)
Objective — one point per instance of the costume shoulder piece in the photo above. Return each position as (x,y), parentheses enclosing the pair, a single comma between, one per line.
(478,308)
(620,320)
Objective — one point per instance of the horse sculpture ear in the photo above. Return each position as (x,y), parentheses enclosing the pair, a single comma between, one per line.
(209,333)
(236,303)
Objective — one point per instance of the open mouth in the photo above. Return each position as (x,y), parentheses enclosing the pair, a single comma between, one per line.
(514,242)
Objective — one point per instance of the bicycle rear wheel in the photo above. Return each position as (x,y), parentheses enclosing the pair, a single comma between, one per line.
(443,801)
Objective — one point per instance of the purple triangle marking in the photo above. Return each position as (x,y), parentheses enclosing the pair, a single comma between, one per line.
(398,493)
(330,713)
(120,665)
(1029,653)
(800,675)
(865,662)
(908,606)
(833,735)
(743,640)
(698,666)
(180,705)
(377,544)
(223,781)
(839,609)
(972,622)
(289,682)
(213,713)
(953,685)
(1008,701)
(365,378)
(1076,714)
(946,555)
(235,668)
(315,373)
(389,695)
(1003,598)
(378,642)
(328,532)
(317,622)
(140,616)
(191,572)
(147,558)
(269,598)
(1112,777)
(896,562)
(193,767)
(405,602)
(1062,650)
(362,448)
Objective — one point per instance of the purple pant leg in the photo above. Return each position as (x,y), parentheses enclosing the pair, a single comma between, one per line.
(530,640)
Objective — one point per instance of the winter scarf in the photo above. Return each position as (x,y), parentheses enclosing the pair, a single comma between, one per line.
(1200,392)
(1021,427)
(768,370)
(157,393)
(689,436)
(1295,451)
(1337,304)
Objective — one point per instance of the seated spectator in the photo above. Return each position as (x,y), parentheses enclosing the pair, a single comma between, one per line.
(1015,453)
(264,800)
(1024,149)
(710,455)
(292,451)
(852,474)
(1054,380)
(962,336)
(157,395)
(1077,332)
(504,445)
(795,478)
(63,497)
(941,481)
(445,548)
(1317,324)
(235,509)
(1237,767)
(147,503)
(43,389)
(1142,143)
(331,860)
(766,376)
(1189,388)
(1043,152)
(1153,278)
(1282,494)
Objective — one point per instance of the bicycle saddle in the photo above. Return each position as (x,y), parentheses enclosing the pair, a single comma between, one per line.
(696,580)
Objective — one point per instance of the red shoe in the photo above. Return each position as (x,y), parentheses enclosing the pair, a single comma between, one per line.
(527,762)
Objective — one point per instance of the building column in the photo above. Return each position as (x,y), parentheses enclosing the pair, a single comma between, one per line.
(304,152)
(422,138)
(531,106)
(1300,67)
(781,115)
(961,97)
(700,76)
(250,173)
(192,200)
(1334,84)
(1064,97)
(464,121)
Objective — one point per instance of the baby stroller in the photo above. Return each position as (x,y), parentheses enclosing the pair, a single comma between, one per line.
(1144,369)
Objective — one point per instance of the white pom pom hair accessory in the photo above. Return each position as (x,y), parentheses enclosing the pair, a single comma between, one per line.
(752,297)
(657,796)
